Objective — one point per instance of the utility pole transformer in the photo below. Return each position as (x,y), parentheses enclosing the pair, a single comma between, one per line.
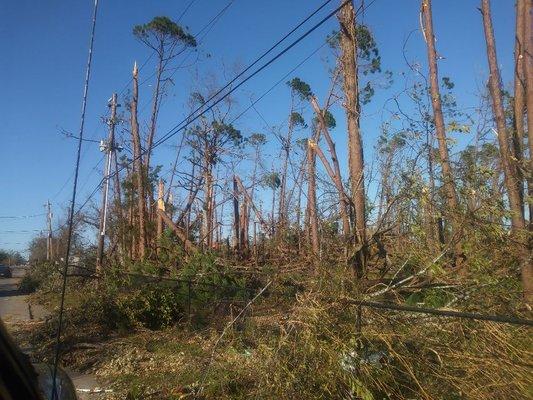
(109,148)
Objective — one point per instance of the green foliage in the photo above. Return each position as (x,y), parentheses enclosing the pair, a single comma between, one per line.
(210,139)
(161,31)
(433,298)
(256,139)
(152,306)
(296,119)
(42,275)
(447,82)
(366,93)
(301,88)
(271,180)
(197,98)
(11,257)
(367,50)
(329,119)
(29,283)
(228,131)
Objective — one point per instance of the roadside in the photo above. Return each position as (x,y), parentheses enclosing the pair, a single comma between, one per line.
(16,312)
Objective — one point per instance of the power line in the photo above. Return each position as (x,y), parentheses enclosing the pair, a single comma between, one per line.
(185,10)
(445,313)
(54,394)
(152,54)
(207,27)
(20,231)
(177,127)
(21,216)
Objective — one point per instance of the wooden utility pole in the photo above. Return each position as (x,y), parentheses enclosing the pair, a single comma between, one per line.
(107,147)
(509,172)
(438,118)
(49,246)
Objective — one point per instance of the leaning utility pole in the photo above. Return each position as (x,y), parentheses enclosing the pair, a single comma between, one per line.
(107,147)
(49,247)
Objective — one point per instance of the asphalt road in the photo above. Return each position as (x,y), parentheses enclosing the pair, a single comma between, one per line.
(15,309)
(14,305)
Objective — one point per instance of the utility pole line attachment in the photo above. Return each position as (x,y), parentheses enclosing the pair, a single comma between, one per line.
(109,148)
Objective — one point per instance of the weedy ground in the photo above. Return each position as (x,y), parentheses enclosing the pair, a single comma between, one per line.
(299,339)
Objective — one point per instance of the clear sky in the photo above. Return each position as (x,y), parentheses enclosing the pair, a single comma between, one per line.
(44,51)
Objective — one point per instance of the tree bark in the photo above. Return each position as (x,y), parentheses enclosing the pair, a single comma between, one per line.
(348,43)
(189,246)
(440,129)
(528,72)
(527,265)
(282,212)
(155,107)
(519,95)
(138,165)
(311,199)
(236,217)
(160,206)
(510,178)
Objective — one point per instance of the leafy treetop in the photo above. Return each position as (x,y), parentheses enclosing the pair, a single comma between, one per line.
(301,88)
(162,31)
(297,119)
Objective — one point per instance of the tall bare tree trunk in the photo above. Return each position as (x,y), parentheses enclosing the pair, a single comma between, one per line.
(527,265)
(244,226)
(160,206)
(236,217)
(519,95)
(155,108)
(286,148)
(208,217)
(138,164)
(435,221)
(311,199)
(348,42)
(120,211)
(510,178)
(528,72)
(440,129)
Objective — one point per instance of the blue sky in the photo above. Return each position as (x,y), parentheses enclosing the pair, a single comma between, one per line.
(44,50)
